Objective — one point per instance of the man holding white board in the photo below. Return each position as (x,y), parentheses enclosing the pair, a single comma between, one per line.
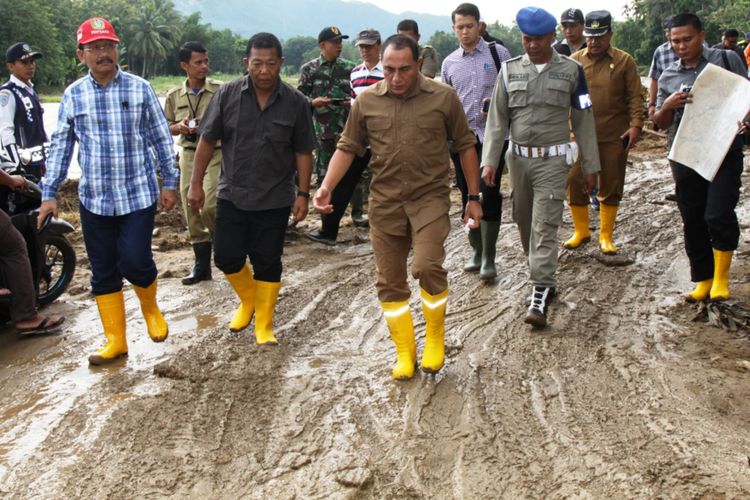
(707,206)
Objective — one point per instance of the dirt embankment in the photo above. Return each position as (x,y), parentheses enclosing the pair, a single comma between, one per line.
(621,396)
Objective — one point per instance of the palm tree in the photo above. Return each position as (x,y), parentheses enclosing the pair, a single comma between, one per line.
(153,33)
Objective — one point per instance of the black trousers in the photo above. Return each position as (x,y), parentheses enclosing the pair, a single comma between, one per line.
(254,234)
(707,210)
(342,195)
(492,199)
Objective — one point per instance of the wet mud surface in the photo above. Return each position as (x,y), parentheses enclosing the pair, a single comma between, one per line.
(621,396)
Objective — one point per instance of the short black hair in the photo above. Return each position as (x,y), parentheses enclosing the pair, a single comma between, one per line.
(408,25)
(187,49)
(686,19)
(465,9)
(731,33)
(264,41)
(399,42)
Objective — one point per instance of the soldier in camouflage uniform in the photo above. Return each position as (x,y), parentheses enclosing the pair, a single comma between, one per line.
(325,82)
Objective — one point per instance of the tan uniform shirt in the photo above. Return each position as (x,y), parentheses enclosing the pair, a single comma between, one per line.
(429,61)
(616,92)
(540,108)
(409,141)
(183,103)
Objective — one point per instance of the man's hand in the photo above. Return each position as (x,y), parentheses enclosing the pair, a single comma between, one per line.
(181,128)
(589,183)
(347,103)
(322,200)
(488,175)
(168,199)
(48,207)
(195,197)
(18,182)
(677,100)
(320,102)
(473,212)
(299,211)
(633,134)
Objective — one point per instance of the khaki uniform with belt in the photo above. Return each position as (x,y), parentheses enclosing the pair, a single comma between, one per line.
(539,108)
(183,103)
(617,102)
(410,188)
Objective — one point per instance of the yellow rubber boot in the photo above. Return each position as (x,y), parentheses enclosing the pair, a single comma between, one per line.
(701,291)
(607,216)
(581,233)
(112,313)
(398,317)
(433,308)
(157,327)
(244,286)
(720,286)
(266,293)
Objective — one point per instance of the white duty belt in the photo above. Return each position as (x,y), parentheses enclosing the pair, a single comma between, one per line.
(569,150)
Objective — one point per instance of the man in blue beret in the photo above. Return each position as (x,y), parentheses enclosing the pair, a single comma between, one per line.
(538,96)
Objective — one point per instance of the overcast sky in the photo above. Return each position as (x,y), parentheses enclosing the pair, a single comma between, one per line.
(505,11)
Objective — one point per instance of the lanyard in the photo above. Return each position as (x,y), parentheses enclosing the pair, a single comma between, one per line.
(194,110)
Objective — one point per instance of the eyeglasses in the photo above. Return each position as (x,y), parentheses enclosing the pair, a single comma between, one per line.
(104,47)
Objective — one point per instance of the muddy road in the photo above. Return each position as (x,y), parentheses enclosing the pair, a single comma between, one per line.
(621,396)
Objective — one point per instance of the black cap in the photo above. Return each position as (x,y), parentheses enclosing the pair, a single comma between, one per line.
(330,34)
(571,16)
(20,51)
(598,23)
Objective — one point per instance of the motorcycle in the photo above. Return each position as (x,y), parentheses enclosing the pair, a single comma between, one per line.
(52,257)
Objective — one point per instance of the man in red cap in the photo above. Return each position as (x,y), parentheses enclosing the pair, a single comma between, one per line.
(124,140)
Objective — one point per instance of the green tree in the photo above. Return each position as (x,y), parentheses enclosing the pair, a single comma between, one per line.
(444,43)
(510,35)
(294,52)
(153,34)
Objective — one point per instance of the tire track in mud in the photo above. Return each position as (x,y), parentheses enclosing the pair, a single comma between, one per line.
(621,396)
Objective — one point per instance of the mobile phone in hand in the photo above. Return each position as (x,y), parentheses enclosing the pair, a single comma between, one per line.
(626,141)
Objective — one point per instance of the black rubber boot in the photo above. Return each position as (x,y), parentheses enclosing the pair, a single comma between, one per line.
(202,268)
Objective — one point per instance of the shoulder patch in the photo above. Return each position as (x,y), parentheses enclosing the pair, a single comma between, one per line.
(4,99)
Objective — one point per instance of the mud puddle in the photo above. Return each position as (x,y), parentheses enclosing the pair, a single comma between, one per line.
(622,396)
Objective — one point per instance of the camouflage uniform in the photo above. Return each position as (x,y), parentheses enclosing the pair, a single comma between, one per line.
(322,78)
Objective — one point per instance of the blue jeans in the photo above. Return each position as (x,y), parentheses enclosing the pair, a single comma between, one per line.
(119,246)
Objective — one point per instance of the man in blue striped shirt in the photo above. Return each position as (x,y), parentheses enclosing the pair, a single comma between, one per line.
(123,139)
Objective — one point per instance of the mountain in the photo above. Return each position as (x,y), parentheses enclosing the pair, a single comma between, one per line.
(288,18)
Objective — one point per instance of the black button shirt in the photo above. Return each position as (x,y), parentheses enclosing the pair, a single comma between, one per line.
(258,145)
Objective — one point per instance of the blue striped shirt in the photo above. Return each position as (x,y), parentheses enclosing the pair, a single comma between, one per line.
(123,139)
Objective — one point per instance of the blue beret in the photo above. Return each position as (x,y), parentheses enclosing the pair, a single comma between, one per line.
(534,21)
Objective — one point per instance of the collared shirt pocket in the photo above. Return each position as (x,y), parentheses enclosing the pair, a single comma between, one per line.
(280,131)
(558,93)
(518,94)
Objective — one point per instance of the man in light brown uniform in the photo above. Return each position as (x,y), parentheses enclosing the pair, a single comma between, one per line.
(407,120)
(617,98)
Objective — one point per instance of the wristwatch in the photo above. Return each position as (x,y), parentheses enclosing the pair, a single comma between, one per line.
(475,197)
(303,194)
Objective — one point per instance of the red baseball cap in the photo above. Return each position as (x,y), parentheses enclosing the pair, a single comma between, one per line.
(96,28)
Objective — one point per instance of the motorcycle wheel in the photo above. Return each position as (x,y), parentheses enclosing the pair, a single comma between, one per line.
(57,269)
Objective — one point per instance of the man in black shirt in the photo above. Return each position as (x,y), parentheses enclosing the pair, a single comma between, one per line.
(266,132)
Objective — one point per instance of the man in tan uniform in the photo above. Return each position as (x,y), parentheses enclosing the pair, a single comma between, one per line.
(541,94)
(617,98)
(184,108)
(427,54)
(407,120)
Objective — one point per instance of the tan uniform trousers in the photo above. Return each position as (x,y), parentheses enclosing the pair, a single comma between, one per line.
(391,252)
(538,197)
(613,158)
(200,226)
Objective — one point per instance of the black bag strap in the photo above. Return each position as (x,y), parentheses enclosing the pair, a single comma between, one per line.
(725,60)
(495,57)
